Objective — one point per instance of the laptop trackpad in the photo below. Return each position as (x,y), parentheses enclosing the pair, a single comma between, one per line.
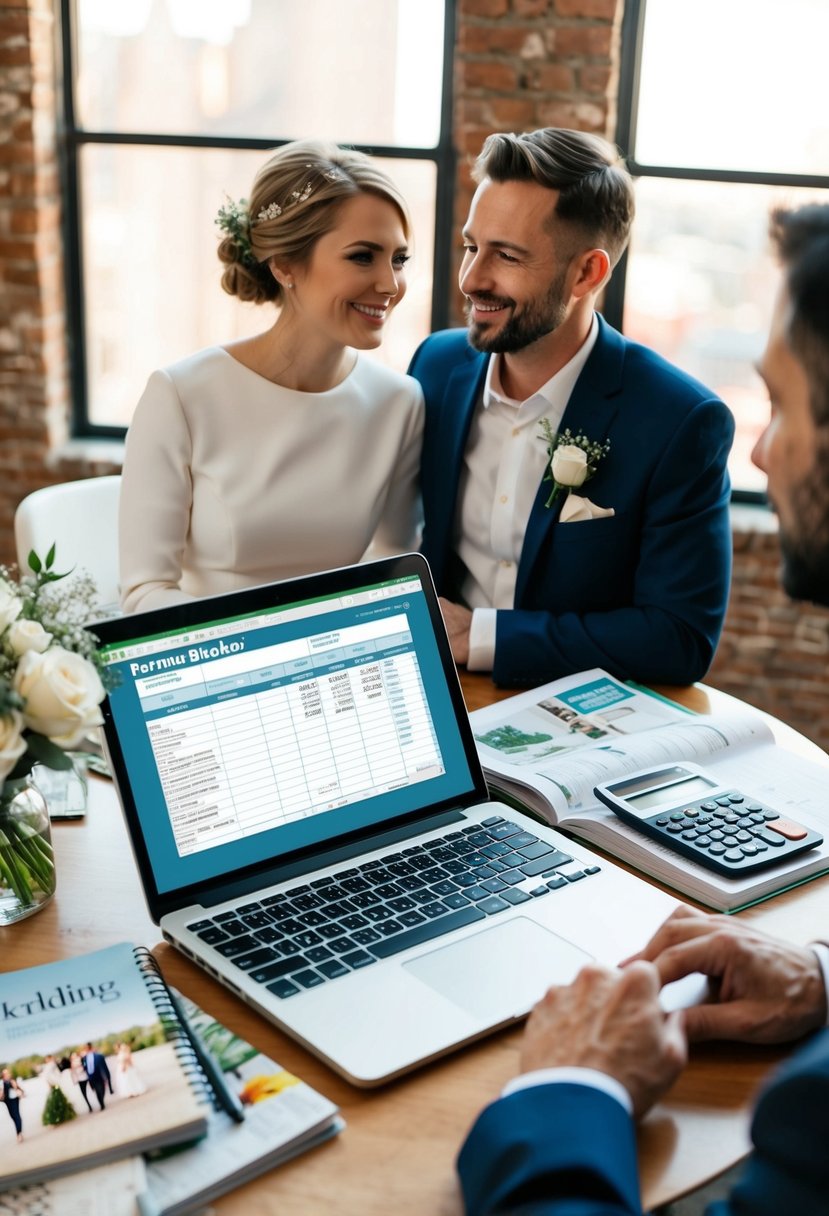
(500,972)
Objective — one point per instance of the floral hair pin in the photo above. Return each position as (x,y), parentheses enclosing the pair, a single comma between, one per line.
(273,210)
(234,218)
(573,459)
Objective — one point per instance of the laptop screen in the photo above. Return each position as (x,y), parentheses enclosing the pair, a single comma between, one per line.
(273,728)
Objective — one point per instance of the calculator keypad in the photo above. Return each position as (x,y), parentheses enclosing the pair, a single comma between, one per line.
(732,833)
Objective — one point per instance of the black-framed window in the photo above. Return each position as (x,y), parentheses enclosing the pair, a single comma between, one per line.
(168,105)
(722,115)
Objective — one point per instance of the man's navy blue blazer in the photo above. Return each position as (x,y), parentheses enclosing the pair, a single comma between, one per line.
(642,594)
(569,1150)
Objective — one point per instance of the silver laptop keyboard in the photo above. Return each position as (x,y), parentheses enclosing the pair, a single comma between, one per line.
(331,926)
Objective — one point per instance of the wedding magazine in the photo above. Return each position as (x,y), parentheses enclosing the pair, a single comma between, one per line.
(546,750)
(95,1066)
(283,1117)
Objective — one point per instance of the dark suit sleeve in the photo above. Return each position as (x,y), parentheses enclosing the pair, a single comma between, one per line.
(788,1172)
(551,1150)
(677,555)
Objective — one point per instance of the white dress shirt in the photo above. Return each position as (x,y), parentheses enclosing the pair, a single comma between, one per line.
(505,459)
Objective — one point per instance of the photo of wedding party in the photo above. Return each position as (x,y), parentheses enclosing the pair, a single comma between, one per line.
(50,1098)
(88,1066)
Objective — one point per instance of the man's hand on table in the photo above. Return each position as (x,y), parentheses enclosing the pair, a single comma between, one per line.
(458,621)
(762,990)
(610,1021)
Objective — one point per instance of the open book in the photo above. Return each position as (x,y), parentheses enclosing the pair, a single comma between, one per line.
(95,1065)
(549,747)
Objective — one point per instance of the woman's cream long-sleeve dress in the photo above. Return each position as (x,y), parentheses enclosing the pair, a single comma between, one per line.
(230,480)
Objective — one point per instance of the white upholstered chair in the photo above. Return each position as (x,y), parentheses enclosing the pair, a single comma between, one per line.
(81,519)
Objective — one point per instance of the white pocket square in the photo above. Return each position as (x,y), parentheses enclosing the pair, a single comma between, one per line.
(576,509)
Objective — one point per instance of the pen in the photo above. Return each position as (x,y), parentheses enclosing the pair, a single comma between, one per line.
(227,1099)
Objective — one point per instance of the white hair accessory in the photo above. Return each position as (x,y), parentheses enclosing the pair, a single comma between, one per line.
(273,210)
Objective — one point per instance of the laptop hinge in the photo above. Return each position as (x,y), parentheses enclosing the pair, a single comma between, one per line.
(329,857)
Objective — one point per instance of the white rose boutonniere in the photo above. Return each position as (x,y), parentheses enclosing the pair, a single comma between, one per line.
(573,459)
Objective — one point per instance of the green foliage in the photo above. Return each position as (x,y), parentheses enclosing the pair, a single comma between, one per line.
(43,569)
(138,1038)
(58,1108)
(44,751)
(234,221)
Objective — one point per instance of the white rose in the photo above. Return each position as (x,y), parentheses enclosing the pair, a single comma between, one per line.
(569,465)
(12,743)
(28,635)
(62,692)
(10,606)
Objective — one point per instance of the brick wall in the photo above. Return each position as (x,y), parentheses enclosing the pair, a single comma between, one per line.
(34,399)
(524,64)
(773,653)
(520,64)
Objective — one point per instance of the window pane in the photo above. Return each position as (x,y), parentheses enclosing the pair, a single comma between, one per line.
(355,71)
(152,277)
(735,84)
(699,289)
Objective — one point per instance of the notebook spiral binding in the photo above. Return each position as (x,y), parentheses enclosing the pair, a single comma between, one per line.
(175,1031)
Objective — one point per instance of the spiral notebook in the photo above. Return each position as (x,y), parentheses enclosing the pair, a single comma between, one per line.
(96,1065)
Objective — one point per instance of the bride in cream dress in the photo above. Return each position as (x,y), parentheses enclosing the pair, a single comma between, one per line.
(128,1083)
(287,452)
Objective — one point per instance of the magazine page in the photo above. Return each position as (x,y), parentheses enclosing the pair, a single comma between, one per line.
(564,716)
(282,1116)
(556,776)
(787,782)
(698,739)
(87,1070)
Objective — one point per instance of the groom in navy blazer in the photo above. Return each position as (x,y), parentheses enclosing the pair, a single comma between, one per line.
(562,1143)
(637,580)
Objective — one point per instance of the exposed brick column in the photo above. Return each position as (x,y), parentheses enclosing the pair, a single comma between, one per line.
(33,361)
(524,64)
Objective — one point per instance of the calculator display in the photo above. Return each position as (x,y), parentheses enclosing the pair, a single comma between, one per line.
(668,795)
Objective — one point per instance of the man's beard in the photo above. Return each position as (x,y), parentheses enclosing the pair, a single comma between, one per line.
(537,319)
(806,552)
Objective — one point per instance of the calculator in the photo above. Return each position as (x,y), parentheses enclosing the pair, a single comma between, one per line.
(688,810)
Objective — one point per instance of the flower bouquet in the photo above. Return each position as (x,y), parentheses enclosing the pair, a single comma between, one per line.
(51,687)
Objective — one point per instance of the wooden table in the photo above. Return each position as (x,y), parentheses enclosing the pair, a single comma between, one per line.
(397,1152)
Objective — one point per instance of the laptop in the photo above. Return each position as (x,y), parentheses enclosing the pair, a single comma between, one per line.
(312,825)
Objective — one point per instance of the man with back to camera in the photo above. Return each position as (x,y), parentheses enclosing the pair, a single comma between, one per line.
(565,1143)
(636,579)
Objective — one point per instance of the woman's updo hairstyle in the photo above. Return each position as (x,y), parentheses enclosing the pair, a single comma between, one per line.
(295,199)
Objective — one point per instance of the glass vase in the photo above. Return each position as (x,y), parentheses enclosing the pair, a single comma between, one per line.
(27,862)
